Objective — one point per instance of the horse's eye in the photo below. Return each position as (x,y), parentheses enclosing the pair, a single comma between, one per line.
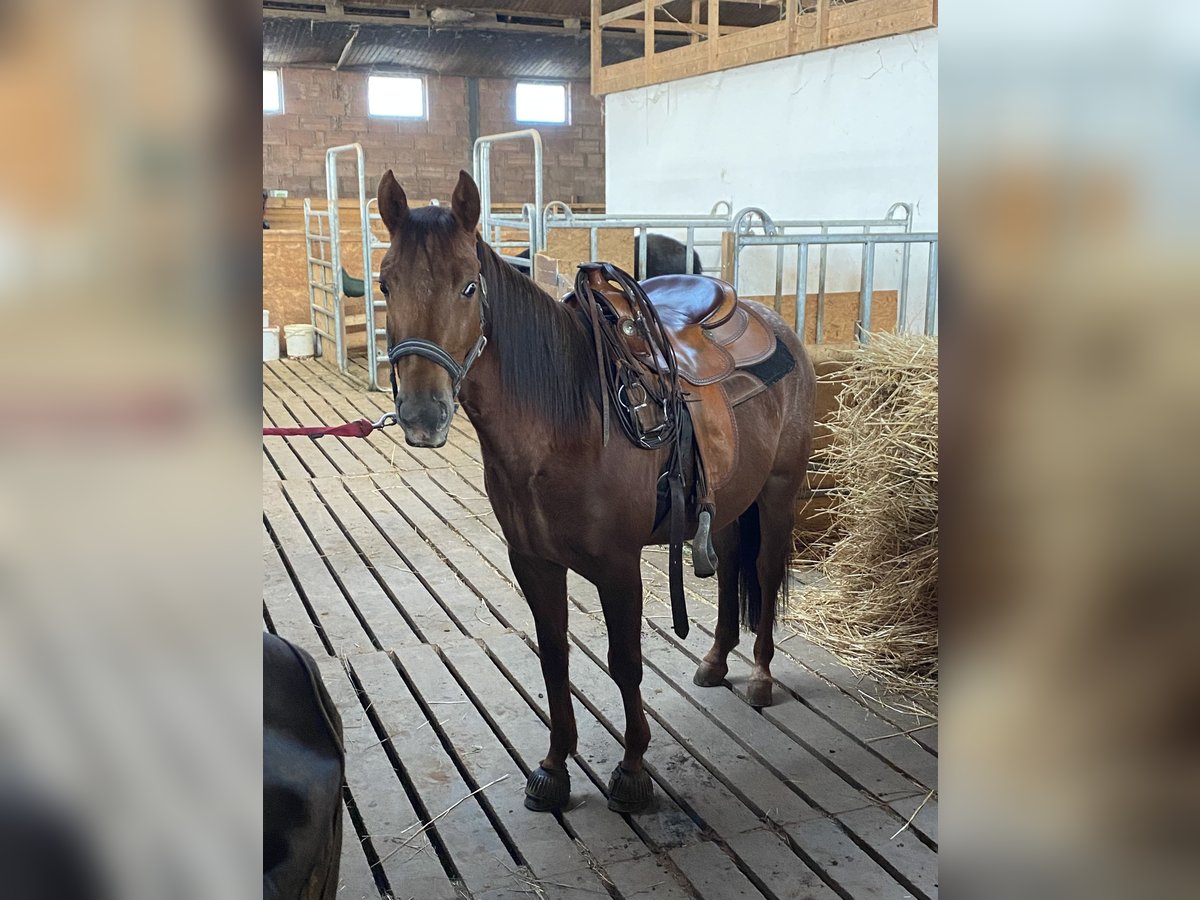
(469,290)
(383,288)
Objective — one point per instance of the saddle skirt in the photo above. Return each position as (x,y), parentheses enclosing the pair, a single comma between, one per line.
(720,347)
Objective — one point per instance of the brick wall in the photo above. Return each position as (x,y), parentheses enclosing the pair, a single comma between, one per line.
(324,108)
(573,153)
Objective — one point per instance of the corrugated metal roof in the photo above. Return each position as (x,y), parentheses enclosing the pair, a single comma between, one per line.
(447,50)
(444,52)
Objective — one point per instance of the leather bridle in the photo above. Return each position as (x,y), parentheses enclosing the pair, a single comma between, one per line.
(436,353)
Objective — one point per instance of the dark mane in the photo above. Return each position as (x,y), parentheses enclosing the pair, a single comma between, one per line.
(544,351)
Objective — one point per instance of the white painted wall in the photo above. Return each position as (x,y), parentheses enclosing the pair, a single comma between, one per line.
(840,133)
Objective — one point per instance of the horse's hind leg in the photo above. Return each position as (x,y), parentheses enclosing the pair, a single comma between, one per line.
(777,515)
(545,587)
(714,667)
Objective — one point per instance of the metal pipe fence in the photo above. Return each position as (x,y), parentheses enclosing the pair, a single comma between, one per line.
(557,214)
(869,243)
(323,250)
(492,223)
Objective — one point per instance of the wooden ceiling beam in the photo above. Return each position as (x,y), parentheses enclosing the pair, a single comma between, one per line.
(484,21)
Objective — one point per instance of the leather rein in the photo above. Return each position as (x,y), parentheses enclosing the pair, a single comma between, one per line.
(648,400)
(435,352)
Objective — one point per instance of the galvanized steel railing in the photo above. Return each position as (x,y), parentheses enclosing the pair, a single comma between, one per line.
(868,233)
(491,222)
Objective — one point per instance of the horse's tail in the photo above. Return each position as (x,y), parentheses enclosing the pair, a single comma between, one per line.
(749,588)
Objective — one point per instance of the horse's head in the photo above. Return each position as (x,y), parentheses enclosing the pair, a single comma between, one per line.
(436,304)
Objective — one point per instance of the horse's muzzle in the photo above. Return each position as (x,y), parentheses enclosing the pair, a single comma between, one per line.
(426,423)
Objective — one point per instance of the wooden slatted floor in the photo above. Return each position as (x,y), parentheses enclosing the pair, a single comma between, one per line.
(387,565)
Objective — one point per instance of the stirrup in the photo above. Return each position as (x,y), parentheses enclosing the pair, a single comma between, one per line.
(704,557)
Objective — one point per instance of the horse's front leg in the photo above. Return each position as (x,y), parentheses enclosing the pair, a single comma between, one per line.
(545,587)
(620,587)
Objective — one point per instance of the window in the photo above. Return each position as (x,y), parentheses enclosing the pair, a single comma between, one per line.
(399,97)
(545,103)
(272,91)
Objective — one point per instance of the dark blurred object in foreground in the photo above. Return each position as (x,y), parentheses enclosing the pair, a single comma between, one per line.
(45,852)
(303,766)
(129,472)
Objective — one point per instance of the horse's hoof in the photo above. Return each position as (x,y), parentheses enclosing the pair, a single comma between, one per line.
(629,792)
(709,675)
(547,789)
(758,693)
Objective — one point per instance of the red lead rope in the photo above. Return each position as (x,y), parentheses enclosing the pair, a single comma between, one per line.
(360,428)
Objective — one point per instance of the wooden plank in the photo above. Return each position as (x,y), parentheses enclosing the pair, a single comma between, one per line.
(882,26)
(355,881)
(841,709)
(911,862)
(714,30)
(468,566)
(386,621)
(552,856)
(783,873)
(354,456)
(478,854)
(649,6)
(315,461)
(770,797)
(381,800)
(334,615)
(714,875)
(832,772)
(392,546)
(289,617)
(281,454)
(668,822)
(873,10)
(648,876)
(609,838)
(792,658)
(796,668)
(595,39)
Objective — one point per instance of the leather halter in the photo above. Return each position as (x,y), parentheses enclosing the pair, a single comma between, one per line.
(435,352)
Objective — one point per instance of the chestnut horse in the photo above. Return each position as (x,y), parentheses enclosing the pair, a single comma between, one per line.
(463,326)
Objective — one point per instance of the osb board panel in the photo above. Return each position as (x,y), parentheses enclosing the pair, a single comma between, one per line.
(285,273)
(571,246)
(285,284)
(841,313)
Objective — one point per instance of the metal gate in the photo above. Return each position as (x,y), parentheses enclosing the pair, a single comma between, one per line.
(326,285)
(528,222)
(894,230)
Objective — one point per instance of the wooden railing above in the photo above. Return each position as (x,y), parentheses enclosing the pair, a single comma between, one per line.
(803,26)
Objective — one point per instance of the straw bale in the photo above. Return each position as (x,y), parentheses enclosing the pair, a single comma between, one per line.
(879,610)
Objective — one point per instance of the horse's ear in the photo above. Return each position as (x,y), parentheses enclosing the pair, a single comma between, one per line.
(393,204)
(464,205)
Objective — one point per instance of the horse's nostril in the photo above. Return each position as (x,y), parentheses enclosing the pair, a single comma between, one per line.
(445,412)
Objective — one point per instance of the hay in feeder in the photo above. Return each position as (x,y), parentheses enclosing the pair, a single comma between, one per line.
(878,612)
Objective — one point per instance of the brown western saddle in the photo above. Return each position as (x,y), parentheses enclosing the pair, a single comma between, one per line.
(676,354)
